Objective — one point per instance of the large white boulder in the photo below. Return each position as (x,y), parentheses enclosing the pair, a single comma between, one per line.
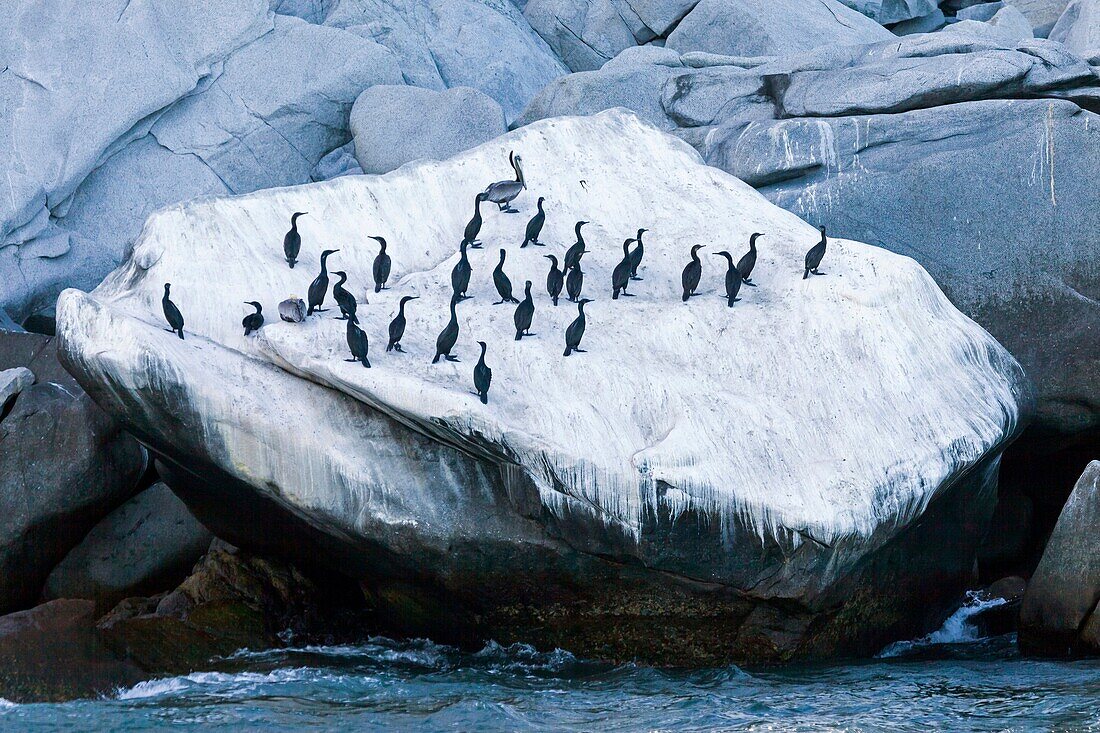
(783,469)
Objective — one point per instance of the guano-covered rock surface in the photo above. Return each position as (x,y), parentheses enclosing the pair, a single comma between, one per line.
(806,473)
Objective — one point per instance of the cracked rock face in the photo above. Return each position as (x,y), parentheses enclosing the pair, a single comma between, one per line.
(966,168)
(80,80)
(679,493)
(589,33)
(264,117)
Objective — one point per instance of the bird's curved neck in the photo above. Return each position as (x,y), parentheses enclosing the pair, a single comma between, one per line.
(694,254)
(539,205)
(343,279)
(482,353)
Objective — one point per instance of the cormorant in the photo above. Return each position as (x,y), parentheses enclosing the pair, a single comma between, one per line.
(525,312)
(534,227)
(381,265)
(483,376)
(554,279)
(575,331)
(319,287)
(748,261)
(343,298)
(620,276)
(733,278)
(397,325)
(172,313)
(357,342)
(692,272)
(504,285)
(253,321)
(473,228)
(814,256)
(636,255)
(574,253)
(460,274)
(502,193)
(447,338)
(292,242)
(574,281)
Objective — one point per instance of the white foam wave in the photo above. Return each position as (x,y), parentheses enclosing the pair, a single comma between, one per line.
(957,629)
(211,681)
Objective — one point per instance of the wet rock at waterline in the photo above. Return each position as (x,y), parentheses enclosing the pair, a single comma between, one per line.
(147,545)
(53,652)
(1058,617)
(605,503)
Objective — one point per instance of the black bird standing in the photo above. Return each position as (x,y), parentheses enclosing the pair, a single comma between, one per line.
(397,325)
(554,279)
(253,321)
(448,336)
(636,255)
(814,256)
(575,331)
(574,253)
(343,298)
(483,376)
(620,276)
(692,272)
(525,312)
(460,274)
(473,228)
(319,287)
(172,313)
(748,261)
(574,281)
(733,278)
(357,342)
(381,265)
(534,227)
(504,285)
(292,242)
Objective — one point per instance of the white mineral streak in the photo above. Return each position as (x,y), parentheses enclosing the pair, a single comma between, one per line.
(827,406)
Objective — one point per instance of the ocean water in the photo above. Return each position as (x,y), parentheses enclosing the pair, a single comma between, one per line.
(948,681)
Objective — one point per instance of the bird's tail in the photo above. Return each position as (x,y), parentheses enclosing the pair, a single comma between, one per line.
(378,287)
(180,333)
(519,335)
(366,363)
(484,399)
(686,296)
(291,263)
(615,294)
(806,274)
(567,351)
(555,300)
(389,346)
(436,359)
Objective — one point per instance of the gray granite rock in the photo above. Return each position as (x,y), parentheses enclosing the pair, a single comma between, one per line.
(146,546)
(924,24)
(589,33)
(893,11)
(50,503)
(1079,28)
(278,106)
(968,190)
(1065,587)
(393,125)
(12,382)
(771,27)
(484,44)
(311,11)
(1042,14)
(96,76)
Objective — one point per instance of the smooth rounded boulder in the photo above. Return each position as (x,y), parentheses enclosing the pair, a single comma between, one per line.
(147,545)
(393,125)
(1058,616)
